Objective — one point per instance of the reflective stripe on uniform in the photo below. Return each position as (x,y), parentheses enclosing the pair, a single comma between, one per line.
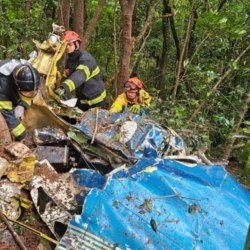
(117,106)
(7,105)
(95,100)
(85,69)
(18,130)
(70,84)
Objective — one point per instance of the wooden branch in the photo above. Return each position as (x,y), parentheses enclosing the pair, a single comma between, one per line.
(225,75)
(203,157)
(183,51)
(93,22)
(96,126)
(12,231)
(136,64)
(175,37)
(148,22)
(228,146)
(191,59)
(221,4)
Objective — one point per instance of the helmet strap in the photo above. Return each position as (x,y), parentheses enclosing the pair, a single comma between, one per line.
(77,45)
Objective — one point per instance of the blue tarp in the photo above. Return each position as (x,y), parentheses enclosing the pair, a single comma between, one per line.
(160,204)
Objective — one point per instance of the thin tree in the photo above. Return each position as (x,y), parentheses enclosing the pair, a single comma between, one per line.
(79,17)
(64,14)
(115,46)
(185,43)
(93,22)
(127,7)
(166,12)
(228,146)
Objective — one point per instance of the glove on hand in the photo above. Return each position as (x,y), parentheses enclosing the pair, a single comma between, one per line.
(61,92)
(19,111)
(135,108)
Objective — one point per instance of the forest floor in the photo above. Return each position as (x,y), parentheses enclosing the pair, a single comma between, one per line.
(30,217)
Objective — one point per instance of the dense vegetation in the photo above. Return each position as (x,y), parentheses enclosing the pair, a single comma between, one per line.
(214,78)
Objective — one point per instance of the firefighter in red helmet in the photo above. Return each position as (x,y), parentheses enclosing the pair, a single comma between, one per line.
(84,80)
(134,97)
(19,82)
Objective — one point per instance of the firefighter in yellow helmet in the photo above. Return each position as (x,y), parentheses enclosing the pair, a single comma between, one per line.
(134,97)
(19,82)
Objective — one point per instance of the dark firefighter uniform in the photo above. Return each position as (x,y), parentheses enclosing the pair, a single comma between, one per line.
(10,98)
(85,80)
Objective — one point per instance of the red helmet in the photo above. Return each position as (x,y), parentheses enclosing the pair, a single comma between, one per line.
(133,84)
(71,36)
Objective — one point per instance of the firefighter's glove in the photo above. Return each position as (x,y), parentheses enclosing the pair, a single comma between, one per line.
(61,92)
(135,108)
(19,111)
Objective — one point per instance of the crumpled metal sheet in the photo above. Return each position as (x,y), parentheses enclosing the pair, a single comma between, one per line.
(9,204)
(3,166)
(23,171)
(40,115)
(17,149)
(5,136)
(132,135)
(53,195)
(161,204)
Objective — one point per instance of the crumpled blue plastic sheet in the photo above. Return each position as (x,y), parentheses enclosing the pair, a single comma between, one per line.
(150,139)
(160,204)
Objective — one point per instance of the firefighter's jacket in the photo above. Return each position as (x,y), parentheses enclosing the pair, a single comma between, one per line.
(122,101)
(84,78)
(10,98)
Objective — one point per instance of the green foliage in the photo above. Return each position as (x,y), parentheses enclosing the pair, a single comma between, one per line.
(245,154)
(217,39)
(18,28)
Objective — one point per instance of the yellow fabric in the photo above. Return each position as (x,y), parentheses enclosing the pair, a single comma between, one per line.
(28,100)
(121,101)
(18,130)
(7,105)
(53,78)
(95,100)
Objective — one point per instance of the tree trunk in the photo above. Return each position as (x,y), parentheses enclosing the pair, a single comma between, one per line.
(64,13)
(127,7)
(166,11)
(115,47)
(242,112)
(175,36)
(92,23)
(79,17)
(183,52)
